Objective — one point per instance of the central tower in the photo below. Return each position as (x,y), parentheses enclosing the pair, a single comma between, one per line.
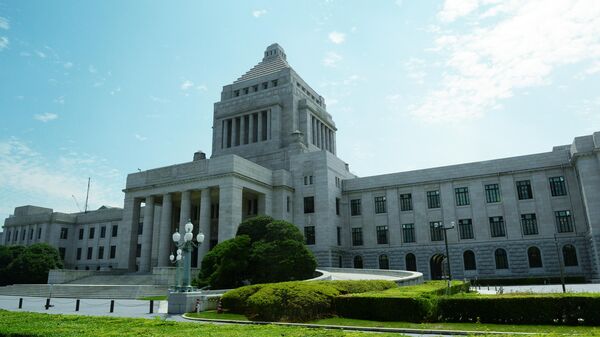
(270,111)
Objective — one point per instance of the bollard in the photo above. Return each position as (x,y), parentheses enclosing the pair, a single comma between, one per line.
(112,305)
(21,303)
(151,306)
(77,305)
(47,303)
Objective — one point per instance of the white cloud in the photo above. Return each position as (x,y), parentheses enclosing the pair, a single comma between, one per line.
(337,37)
(45,117)
(186,85)
(399,3)
(115,91)
(67,65)
(140,137)
(92,69)
(32,178)
(518,50)
(60,100)
(415,69)
(40,54)
(3,42)
(331,59)
(454,9)
(4,24)
(201,87)
(257,13)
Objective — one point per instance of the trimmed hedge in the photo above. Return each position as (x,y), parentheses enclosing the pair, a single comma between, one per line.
(571,309)
(412,303)
(294,301)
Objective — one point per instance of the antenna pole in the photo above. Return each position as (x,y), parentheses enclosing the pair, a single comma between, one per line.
(87,195)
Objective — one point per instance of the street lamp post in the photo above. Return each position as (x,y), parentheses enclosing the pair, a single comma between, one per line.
(560,264)
(184,256)
(444,228)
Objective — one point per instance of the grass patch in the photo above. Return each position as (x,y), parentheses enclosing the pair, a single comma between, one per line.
(559,330)
(41,325)
(212,314)
(153,298)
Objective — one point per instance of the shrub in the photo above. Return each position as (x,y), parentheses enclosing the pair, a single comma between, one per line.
(28,264)
(294,301)
(522,309)
(411,303)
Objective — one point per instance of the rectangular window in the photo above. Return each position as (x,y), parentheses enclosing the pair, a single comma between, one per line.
(380,205)
(339,236)
(357,238)
(78,253)
(265,85)
(305,180)
(529,224)
(563,221)
(355,207)
(274,83)
(90,253)
(92,232)
(102,232)
(337,206)
(492,193)
(309,204)
(524,190)
(436,231)
(64,233)
(100,252)
(557,186)
(39,233)
(497,226)
(465,228)
(287,204)
(62,251)
(462,196)
(406,202)
(309,235)
(138,250)
(31,234)
(113,252)
(408,233)
(140,228)
(433,199)
(115,230)
(8,236)
(236,93)
(23,233)
(80,233)
(382,235)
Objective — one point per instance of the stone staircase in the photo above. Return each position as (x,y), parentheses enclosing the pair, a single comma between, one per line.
(127,286)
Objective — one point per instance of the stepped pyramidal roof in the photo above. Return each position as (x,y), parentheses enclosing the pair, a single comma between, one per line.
(273,61)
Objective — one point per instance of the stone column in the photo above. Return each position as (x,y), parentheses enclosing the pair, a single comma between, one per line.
(204,223)
(264,204)
(242,130)
(269,116)
(146,253)
(234,133)
(185,212)
(251,129)
(225,134)
(129,235)
(230,210)
(259,119)
(164,241)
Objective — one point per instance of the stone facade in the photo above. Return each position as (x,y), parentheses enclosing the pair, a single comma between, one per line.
(274,152)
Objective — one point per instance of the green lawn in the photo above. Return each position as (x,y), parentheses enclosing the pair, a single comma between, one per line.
(554,329)
(23,324)
(212,314)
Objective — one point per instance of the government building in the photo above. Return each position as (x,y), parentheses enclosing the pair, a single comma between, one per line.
(274,152)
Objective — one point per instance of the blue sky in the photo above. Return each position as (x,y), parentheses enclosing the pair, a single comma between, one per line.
(101,88)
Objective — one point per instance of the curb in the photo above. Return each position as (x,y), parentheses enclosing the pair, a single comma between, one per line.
(364,328)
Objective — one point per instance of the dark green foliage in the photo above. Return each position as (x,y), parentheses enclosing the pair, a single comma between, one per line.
(294,301)
(264,250)
(411,303)
(526,281)
(19,264)
(522,309)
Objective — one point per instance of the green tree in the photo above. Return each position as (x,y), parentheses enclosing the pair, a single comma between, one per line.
(264,250)
(28,264)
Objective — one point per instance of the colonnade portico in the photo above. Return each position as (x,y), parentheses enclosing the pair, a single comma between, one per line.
(216,211)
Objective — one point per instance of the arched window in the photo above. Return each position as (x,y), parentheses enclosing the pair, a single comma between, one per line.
(570,256)
(535,257)
(469,260)
(411,262)
(501,259)
(384,262)
(358,263)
